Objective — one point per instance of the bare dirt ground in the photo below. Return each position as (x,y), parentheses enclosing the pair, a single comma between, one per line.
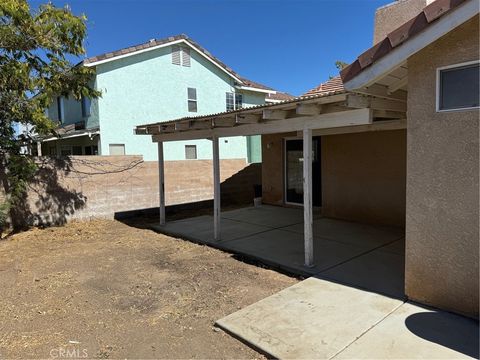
(104,289)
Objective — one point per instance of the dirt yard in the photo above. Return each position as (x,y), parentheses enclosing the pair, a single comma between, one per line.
(104,289)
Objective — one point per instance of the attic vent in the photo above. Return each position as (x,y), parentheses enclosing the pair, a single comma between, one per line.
(176,55)
(185,56)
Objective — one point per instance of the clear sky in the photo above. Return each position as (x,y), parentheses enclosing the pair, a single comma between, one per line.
(289,45)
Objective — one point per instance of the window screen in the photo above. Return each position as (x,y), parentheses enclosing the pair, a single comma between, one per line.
(238,101)
(230,102)
(234,101)
(190,152)
(459,87)
(117,149)
(192,99)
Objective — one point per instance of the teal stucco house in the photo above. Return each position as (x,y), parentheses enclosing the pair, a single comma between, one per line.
(155,81)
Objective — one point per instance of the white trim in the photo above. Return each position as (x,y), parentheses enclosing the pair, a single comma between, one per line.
(285,139)
(216,189)
(437,86)
(162,46)
(322,121)
(161,183)
(73,136)
(250,88)
(307,197)
(400,54)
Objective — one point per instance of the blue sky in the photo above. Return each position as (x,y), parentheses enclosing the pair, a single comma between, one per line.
(289,45)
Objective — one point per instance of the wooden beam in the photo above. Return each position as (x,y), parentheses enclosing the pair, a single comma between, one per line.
(376,126)
(274,114)
(224,122)
(385,114)
(359,101)
(308,109)
(216,189)
(307,197)
(182,125)
(161,183)
(322,121)
(398,85)
(383,92)
(201,124)
(247,118)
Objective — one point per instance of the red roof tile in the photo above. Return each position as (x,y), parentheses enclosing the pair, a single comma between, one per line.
(332,85)
(157,42)
(398,36)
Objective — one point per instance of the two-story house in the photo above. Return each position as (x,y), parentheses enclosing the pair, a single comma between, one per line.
(155,81)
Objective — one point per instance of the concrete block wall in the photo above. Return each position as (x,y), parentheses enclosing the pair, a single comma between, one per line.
(83,187)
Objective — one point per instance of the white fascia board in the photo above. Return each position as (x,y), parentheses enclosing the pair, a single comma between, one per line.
(250,88)
(322,121)
(400,54)
(88,133)
(162,46)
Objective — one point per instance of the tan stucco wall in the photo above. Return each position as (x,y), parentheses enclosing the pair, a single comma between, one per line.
(363,175)
(442,223)
(391,16)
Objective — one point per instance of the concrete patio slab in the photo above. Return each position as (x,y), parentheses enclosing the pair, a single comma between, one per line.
(350,232)
(414,332)
(265,215)
(201,229)
(287,249)
(379,271)
(312,319)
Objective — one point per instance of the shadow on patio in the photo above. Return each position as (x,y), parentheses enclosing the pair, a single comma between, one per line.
(359,255)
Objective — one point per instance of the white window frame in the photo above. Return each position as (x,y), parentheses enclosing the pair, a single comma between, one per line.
(437,95)
(234,94)
(193,100)
(196,151)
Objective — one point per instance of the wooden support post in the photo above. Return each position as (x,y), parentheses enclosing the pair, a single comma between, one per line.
(161,183)
(39,148)
(216,189)
(307,197)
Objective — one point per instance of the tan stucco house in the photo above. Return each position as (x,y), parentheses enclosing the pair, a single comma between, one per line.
(393,141)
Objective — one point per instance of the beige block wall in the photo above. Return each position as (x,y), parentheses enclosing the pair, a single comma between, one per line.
(391,16)
(83,187)
(442,224)
(363,175)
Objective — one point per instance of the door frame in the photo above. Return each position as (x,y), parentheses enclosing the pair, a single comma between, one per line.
(284,165)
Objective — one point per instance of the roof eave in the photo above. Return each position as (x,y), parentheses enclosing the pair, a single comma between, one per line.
(398,55)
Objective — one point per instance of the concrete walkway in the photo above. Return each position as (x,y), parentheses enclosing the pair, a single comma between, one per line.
(318,319)
(364,256)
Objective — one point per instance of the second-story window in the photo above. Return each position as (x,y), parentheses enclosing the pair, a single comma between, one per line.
(234,101)
(60,109)
(85,106)
(180,55)
(192,99)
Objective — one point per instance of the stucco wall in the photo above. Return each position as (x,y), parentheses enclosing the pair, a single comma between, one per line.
(442,225)
(363,175)
(395,14)
(147,87)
